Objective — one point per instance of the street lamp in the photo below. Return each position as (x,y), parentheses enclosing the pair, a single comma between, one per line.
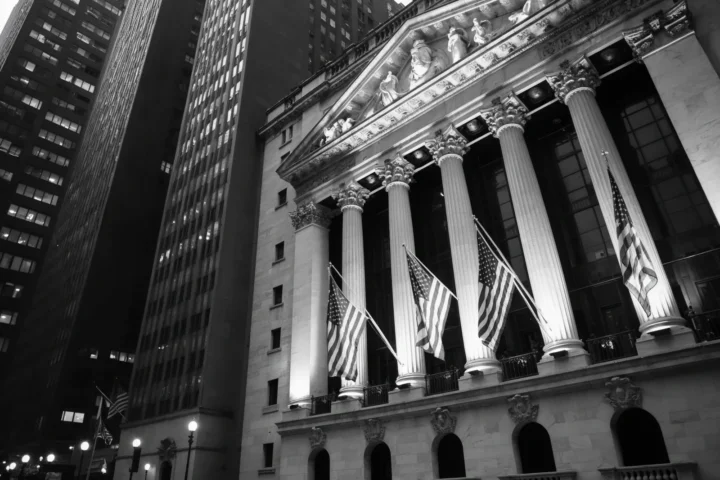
(136,457)
(25,459)
(147,469)
(83,448)
(192,426)
(51,457)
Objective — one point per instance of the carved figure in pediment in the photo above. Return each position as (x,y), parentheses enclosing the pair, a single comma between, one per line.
(425,62)
(331,133)
(483,31)
(530,8)
(388,89)
(457,44)
(345,125)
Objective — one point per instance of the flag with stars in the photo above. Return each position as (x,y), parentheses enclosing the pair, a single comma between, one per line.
(495,284)
(637,270)
(432,304)
(345,325)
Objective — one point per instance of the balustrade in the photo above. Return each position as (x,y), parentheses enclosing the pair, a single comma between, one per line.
(442,382)
(541,476)
(322,404)
(706,325)
(519,366)
(375,395)
(612,347)
(669,471)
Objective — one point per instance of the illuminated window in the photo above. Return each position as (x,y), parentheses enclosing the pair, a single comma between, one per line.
(72,417)
(8,317)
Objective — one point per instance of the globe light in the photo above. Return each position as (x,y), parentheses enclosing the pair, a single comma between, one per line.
(25,458)
(84,446)
(136,443)
(192,426)
(103,470)
(51,458)
(13,465)
(147,467)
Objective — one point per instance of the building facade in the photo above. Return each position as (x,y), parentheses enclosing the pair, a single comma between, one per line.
(513,112)
(51,56)
(82,328)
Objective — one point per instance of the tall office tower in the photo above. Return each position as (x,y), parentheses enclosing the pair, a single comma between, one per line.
(190,361)
(82,328)
(51,55)
(337,24)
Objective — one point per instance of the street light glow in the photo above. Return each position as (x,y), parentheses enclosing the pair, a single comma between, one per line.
(192,426)
(13,465)
(84,446)
(136,443)
(25,458)
(51,458)
(147,467)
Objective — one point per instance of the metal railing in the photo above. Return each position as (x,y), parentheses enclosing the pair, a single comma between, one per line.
(520,366)
(322,404)
(666,471)
(375,395)
(612,347)
(706,325)
(541,476)
(442,382)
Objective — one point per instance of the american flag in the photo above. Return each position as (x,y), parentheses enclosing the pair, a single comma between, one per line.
(496,289)
(345,325)
(120,404)
(638,274)
(103,433)
(432,304)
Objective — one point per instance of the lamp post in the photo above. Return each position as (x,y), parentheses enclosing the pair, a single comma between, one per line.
(192,426)
(147,469)
(50,458)
(83,448)
(25,459)
(11,467)
(136,457)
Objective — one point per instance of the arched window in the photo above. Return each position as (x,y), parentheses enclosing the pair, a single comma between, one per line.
(535,449)
(319,463)
(380,465)
(639,438)
(450,457)
(166,471)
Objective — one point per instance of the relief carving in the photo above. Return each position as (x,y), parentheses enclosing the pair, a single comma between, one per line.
(425,62)
(442,422)
(457,44)
(374,430)
(317,438)
(522,409)
(623,393)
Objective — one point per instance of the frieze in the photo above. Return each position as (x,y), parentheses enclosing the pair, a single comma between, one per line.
(623,393)
(310,214)
(326,175)
(522,409)
(442,422)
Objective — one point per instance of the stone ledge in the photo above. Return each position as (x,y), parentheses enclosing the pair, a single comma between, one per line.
(267,471)
(274,350)
(270,409)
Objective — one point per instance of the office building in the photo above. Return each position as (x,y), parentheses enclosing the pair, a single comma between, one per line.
(515,112)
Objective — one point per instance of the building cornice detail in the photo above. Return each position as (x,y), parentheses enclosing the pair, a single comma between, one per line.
(506,112)
(310,214)
(574,77)
(351,196)
(675,22)
(397,171)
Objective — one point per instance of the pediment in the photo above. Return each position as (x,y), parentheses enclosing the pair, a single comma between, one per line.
(429,57)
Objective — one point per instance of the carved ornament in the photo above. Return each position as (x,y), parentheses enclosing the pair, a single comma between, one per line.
(448,142)
(317,438)
(623,393)
(352,195)
(510,111)
(374,430)
(522,409)
(576,76)
(167,449)
(675,23)
(397,171)
(316,177)
(310,214)
(442,422)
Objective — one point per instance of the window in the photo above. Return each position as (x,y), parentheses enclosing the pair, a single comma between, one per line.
(46,175)
(166,167)
(4,344)
(122,356)
(17,264)
(56,139)
(275,338)
(282,197)
(21,238)
(5,175)
(51,157)
(11,290)
(63,122)
(8,317)
(36,194)
(280,251)
(29,215)
(277,295)
(94,353)
(6,146)
(268,455)
(72,417)
(272,392)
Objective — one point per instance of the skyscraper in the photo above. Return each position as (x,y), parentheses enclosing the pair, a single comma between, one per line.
(51,55)
(83,326)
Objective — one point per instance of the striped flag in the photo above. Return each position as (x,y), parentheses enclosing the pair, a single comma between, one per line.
(345,325)
(638,274)
(496,289)
(432,304)
(103,433)
(120,404)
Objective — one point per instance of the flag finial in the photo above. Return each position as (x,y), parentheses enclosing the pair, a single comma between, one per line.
(606,154)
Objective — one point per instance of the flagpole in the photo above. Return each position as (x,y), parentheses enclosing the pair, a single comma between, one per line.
(108,400)
(523,291)
(428,270)
(369,317)
(97,433)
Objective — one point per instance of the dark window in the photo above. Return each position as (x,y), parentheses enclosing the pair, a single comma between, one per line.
(451,457)
(277,295)
(268,454)
(275,338)
(320,464)
(640,439)
(272,392)
(279,251)
(535,449)
(282,197)
(380,464)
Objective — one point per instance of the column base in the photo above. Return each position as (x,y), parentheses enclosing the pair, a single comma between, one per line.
(402,395)
(574,360)
(569,345)
(471,381)
(663,340)
(656,325)
(483,365)
(412,379)
(352,391)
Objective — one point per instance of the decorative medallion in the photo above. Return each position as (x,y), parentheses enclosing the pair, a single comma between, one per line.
(167,449)
(374,430)
(317,438)
(442,422)
(623,393)
(521,409)
(579,75)
(508,111)
(397,171)
(352,195)
(310,214)
(449,142)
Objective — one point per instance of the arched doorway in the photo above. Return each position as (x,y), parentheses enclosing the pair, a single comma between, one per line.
(166,471)
(535,449)
(450,457)
(380,463)
(319,463)
(640,438)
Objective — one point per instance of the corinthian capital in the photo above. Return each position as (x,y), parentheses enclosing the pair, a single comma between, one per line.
(397,171)
(507,112)
(310,214)
(574,77)
(449,142)
(352,195)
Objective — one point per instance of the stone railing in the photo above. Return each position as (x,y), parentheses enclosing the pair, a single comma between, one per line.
(541,476)
(666,471)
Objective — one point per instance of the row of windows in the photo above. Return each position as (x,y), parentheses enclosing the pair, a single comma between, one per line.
(11,290)
(22,97)
(4,344)
(96,30)
(36,194)
(50,28)
(46,175)
(68,106)
(78,82)
(122,356)
(84,53)
(21,238)
(40,54)
(5,175)
(6,146)
(43,39)
(63,122)
(51,157)
(56,139)
(17,264)
(29,215)
(63,7)
(72,417)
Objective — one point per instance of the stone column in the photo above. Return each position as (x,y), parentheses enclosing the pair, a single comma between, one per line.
(689,88)
(506,120)
(397,175)
(575,86)
(308,347)
(351,198)
(448,148)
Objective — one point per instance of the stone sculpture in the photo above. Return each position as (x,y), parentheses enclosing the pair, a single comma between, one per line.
(530,8)
(425,63)
(457,44)
(483,31)
(388,89)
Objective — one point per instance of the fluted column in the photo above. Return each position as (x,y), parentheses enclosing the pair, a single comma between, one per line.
(448,148)
(397,175)
(351,199)
(506,121)
(308,347)
(575,86)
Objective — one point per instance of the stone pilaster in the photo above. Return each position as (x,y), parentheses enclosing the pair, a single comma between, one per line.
(506,120)
(575,86)
(308,347)
(351,199)
(448,148)
(397,175)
